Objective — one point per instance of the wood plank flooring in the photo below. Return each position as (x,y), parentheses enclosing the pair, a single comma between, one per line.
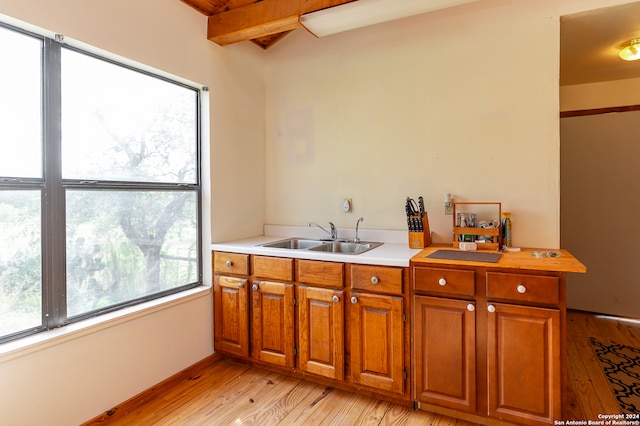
(232,393)
(588,391)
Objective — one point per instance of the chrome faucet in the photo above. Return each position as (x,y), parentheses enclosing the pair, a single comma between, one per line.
(333,233)
(356,239)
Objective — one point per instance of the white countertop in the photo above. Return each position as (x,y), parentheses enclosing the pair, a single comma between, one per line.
(394,252)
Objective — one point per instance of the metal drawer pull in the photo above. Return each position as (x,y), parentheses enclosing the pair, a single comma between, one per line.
(374,280)
(470,307)
(442,281)
(336,298)
(491,308)
(255,287)
(354,300)
(228,263)
(241,285)
(521,289)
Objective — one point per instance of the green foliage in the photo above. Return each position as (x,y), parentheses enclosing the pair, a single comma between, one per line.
(20,261)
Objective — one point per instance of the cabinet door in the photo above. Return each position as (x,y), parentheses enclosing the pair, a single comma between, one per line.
(524,363)
(321,331)
(272,322)
(377,341)
(231,315)
(444,336)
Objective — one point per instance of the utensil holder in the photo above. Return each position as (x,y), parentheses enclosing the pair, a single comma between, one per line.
(422,239)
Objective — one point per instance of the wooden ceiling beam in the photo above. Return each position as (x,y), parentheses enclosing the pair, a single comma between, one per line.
(262,19)
(211,7)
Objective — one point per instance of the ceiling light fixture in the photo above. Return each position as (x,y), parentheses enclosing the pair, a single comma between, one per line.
(630,50)
(362,13)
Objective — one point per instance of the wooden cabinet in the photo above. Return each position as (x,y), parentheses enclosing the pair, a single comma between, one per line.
(523,289)
(321,331)
(272,323)
(525,347)
(272,310)
(445,352)
(377,279)
(321,318)
(524,359)
(376,324)
(320,273)
(297,314)
(231,315)
(444,332)
(489,342)
(377,341)
(272,268)
(231,310)
(230,263)
(444,282)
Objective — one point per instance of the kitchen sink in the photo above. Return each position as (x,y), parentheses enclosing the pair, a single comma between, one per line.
(341,247)
(345,247)
(294,244)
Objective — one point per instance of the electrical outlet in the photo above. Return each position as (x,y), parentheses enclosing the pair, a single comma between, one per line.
(448,203)
(448,208)
(346,205)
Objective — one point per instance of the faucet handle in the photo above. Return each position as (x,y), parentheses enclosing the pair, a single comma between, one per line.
(334,231)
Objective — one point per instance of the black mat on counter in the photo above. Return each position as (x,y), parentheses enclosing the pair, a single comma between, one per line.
(475,256)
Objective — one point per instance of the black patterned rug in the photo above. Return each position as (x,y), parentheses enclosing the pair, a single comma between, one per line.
(621,365)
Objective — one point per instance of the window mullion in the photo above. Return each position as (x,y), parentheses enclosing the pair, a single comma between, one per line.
(54,285)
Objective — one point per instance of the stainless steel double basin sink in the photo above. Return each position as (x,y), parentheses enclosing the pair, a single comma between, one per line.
(327,246)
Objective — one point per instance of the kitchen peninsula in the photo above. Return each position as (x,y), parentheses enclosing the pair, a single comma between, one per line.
(489,338)
(480,341)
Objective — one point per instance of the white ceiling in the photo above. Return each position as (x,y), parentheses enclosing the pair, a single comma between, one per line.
(589,44)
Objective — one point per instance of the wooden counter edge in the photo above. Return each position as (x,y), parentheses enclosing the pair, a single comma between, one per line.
(522,259)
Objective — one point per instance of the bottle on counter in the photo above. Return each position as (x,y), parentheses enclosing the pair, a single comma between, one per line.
(506,229)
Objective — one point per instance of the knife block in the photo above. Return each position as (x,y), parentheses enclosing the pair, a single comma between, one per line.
(419,240)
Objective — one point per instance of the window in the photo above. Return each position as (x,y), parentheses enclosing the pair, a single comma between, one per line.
(99,185)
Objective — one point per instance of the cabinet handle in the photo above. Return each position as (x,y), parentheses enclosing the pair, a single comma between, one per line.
(442,281)
(241,285)
(471,307)
(255,287)
(336,298)
(374,280)
(521,289)
(228,263)
(491,308)
(354,300)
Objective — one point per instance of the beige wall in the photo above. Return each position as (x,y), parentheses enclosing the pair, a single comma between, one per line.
(463,100)
(78,376)
(598,171)
(600,95)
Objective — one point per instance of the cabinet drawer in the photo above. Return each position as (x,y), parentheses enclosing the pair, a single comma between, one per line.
(456,282)
(376,278)
(274,268)
(523,288)
(230,263)
(326,274)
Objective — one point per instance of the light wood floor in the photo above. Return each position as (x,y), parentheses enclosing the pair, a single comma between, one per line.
(230,393)
(589,393)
